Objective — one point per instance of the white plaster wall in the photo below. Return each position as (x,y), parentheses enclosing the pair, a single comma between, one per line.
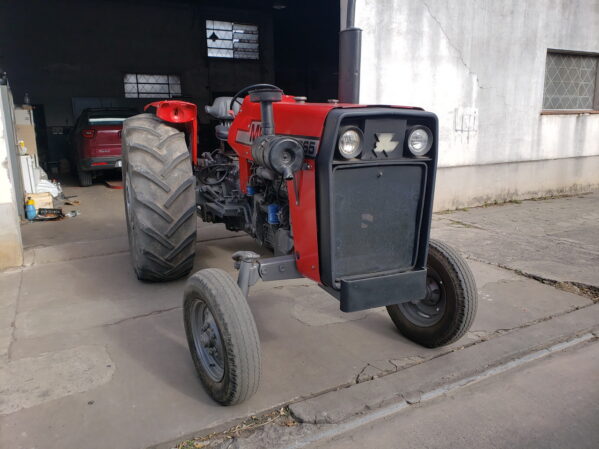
(11,248)
(473,185)
(479,65)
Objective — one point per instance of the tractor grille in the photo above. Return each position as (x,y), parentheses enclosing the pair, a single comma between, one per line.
(376,217)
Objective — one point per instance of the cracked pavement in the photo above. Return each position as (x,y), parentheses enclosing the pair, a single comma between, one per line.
(85,347)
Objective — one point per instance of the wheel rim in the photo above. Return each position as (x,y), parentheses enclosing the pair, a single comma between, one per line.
(428,311)
(208,341)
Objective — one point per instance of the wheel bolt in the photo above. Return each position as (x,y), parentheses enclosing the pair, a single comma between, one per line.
(205,339)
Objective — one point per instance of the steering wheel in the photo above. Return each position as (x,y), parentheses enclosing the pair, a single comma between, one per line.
(243,92)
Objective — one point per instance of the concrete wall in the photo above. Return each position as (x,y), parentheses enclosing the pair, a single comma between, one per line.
(11,248)
(480,65)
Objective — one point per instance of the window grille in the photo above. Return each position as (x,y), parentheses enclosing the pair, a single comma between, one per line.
(232,40)
(570,81)
(143,85)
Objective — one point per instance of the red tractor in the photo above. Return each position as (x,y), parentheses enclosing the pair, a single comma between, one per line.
(341,193)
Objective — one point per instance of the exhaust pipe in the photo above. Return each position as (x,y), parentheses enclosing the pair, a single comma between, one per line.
(266,96)
(350,51)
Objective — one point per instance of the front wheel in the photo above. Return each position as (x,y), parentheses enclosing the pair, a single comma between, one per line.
(222,336)
(449,308)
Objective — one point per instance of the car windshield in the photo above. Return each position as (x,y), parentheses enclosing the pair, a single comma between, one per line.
(109,118)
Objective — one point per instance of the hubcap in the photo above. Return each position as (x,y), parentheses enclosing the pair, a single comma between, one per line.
(429,310)
(208,341)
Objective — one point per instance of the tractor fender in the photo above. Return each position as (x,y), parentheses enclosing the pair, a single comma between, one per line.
(182,113)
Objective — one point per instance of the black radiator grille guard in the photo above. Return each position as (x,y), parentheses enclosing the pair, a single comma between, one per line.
(374,213)
(377,211)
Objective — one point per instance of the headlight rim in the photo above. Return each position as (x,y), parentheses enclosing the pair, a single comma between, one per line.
(430,142)
(360,148)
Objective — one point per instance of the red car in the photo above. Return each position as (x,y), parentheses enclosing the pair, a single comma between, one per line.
(96,141)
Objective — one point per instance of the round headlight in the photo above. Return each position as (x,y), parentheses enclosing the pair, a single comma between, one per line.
(350,143)
(420,140)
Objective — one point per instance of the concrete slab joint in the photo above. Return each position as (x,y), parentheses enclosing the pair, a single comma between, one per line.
(459,368)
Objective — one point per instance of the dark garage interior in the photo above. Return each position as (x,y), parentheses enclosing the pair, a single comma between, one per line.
(71,55)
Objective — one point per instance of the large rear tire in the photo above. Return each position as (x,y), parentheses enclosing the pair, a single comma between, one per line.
(159,199)
(449,308)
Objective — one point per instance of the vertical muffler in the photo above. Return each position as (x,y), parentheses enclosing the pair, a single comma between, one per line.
(350,52)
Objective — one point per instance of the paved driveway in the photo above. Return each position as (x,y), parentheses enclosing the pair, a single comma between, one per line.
(91,357)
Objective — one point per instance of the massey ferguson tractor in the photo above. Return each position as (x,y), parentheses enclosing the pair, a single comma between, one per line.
(340,193)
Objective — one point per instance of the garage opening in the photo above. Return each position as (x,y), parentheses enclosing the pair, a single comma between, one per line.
(124,54)
(78,66)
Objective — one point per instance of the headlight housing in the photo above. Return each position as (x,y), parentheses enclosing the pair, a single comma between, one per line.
(350,142)
(420,140)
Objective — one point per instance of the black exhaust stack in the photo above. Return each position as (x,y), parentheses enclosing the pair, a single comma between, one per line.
(266,96)
(350,51)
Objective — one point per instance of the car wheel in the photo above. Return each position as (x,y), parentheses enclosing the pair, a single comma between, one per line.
(85,178)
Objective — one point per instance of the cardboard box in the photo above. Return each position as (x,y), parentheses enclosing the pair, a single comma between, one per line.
(41,200)
(25,128)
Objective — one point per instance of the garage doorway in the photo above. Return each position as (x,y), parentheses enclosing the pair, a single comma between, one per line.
(125,54)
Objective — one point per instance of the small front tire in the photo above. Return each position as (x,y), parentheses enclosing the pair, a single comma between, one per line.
(222,336)
(448,310)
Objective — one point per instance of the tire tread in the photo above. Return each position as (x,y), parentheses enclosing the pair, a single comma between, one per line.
(466,302)
(162,198)
(238,329)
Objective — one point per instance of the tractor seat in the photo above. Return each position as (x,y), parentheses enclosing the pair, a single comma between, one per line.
(220,111)
(222,132)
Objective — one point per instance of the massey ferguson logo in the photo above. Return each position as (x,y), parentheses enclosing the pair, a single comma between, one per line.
(255,130)
(248,137)
(385,143)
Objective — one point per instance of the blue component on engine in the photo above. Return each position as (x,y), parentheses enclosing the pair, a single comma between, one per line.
(250,190)
(273,213)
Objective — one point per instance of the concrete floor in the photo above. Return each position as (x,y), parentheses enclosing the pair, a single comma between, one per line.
(91,357)
(555,239)
(102,211)
(524,408)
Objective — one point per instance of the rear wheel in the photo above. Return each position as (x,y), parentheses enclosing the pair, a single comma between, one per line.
(448,310)
(85,178)
(159,199)
(222,336)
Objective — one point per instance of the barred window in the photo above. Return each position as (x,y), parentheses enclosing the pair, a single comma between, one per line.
(571,81)
(143,85)
(232,40)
